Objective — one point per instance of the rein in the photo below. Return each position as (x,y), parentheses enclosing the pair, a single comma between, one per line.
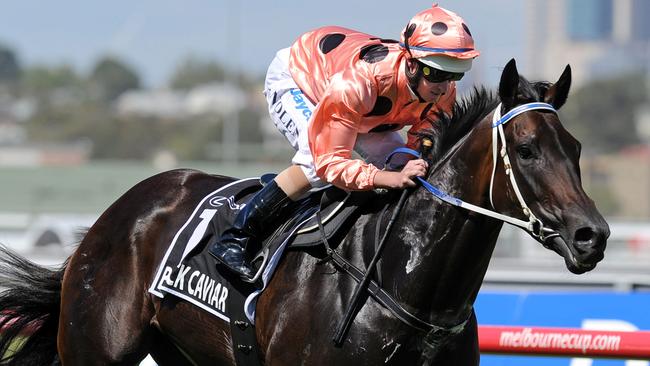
(363,283)
(533,226)
(435,335)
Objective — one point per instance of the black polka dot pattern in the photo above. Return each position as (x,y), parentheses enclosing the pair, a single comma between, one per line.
(373,53)
(439,28)
(466,28)
(330,42)
(382,107)
(386,127)
(409,30)
(384,40)
(425,111)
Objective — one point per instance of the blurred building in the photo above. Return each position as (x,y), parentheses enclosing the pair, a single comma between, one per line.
(598,38)
(210,98)
(15,150)
(70,154)
(625,176)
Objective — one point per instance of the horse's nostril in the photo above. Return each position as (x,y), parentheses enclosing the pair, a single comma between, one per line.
(584,234)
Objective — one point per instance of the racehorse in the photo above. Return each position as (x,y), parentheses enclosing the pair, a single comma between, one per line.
(96,310)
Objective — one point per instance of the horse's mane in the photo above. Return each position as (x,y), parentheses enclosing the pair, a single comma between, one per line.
(469,110)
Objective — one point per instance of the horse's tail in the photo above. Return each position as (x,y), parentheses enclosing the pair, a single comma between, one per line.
(29,311)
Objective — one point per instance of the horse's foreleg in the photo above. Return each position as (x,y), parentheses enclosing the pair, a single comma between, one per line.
(166,353)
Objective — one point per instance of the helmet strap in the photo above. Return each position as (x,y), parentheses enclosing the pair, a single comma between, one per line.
(414,77)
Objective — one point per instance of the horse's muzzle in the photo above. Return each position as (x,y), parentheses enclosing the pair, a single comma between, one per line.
(584,249)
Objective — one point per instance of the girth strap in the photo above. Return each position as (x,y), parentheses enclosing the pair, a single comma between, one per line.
(380,295)
(436,336)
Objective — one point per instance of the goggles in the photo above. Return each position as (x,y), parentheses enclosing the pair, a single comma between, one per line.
(438,76)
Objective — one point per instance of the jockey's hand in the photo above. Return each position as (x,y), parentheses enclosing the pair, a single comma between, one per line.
(403,179)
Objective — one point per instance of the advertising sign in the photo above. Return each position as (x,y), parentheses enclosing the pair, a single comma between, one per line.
(588,311)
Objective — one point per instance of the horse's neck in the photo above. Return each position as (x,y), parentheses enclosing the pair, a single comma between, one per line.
(446,249)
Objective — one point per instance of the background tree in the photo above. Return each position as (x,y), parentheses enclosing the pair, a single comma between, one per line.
(194,71)
(43,82)
(9,68)
(111,77)
(602,113)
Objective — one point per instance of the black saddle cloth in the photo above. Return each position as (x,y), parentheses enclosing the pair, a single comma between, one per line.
(190,272)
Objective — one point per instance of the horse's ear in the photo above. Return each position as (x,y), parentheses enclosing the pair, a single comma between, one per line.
(558,92)
(509,84)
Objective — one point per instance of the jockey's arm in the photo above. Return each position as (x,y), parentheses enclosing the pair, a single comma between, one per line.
(334,128)
(333,133)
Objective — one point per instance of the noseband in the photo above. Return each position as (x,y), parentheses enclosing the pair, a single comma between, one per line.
(533,226)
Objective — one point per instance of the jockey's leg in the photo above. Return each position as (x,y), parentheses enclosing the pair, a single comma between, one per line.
(290,110)
(253,222)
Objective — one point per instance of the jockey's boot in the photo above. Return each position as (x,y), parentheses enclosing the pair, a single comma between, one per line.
(250,227)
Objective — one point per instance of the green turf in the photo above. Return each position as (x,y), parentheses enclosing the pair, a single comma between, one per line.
(89,188)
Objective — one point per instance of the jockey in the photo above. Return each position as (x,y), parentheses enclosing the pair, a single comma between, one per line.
(336,91)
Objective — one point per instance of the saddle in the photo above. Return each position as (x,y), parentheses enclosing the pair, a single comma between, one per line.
(305,229)
(335,208)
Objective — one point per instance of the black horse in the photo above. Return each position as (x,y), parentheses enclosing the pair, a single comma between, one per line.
(89,313)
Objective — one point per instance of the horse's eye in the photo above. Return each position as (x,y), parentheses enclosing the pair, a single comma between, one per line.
(524,152)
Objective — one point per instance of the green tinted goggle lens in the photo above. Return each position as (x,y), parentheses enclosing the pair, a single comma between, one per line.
(439,76)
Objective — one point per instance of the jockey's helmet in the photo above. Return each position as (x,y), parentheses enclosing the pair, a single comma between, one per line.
(439,40)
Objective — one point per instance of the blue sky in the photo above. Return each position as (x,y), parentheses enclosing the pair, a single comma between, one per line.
(154,36)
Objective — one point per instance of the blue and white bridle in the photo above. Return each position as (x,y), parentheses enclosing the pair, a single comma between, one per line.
(534,225)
